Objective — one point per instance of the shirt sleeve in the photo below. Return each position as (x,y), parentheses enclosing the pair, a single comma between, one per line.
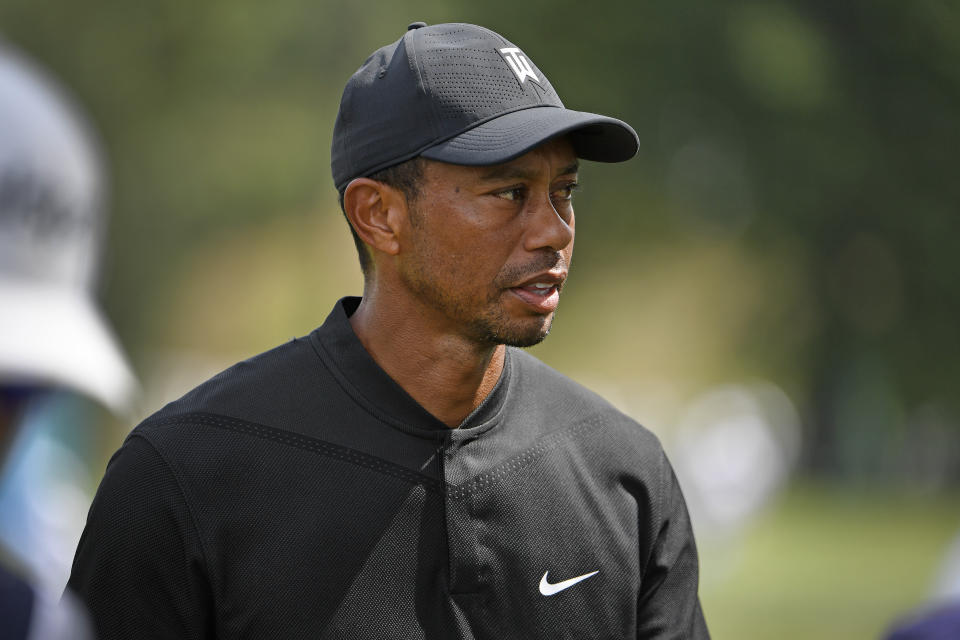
(139,566)
(669,604)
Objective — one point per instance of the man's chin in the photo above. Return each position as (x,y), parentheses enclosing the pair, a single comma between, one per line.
(526,341)
(524,334)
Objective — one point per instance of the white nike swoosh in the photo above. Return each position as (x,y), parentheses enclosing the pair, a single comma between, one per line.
(548,589)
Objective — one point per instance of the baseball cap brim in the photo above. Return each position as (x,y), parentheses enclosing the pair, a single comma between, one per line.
(594,137)
(57,336)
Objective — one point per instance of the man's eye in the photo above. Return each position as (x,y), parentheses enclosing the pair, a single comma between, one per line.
(566,191)
(514,195)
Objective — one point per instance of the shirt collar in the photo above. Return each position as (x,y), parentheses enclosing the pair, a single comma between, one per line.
(361,376)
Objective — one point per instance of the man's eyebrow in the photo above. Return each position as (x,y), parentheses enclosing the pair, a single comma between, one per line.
(513,172)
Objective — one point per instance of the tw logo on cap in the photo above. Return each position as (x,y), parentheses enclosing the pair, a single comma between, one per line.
(519,63)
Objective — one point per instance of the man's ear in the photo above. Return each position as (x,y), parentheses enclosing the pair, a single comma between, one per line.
(376,211)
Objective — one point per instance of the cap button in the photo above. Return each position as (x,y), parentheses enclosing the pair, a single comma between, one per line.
(415,25)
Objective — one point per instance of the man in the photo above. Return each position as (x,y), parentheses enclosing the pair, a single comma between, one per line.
(52,337)
(404,471)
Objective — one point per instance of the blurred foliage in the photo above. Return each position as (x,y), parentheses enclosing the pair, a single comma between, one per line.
(791,215)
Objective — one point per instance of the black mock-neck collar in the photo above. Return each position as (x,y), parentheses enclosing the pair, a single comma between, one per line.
(361,376)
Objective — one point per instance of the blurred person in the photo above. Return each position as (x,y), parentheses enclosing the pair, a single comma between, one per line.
(52,336)
(406,471)
(939,618)
(940,622)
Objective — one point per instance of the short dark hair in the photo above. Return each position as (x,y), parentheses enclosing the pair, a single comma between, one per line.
(405,178)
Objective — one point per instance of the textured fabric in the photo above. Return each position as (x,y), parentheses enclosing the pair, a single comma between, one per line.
(303,494)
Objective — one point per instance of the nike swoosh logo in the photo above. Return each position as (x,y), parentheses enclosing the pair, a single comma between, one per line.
(548,589)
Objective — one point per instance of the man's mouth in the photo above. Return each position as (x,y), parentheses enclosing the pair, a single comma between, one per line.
(543,297)
(540,288)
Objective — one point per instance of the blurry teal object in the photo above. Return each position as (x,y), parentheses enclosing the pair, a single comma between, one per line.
(44,487)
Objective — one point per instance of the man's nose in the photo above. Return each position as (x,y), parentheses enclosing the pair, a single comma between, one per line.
(550,227)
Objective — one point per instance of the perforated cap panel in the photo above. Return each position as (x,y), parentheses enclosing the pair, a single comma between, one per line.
(470,78)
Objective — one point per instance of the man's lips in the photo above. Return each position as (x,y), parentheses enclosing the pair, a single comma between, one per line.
(542,292)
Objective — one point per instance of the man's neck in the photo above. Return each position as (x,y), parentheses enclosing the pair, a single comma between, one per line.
(446,373)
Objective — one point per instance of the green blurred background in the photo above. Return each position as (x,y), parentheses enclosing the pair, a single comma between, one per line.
(781,252)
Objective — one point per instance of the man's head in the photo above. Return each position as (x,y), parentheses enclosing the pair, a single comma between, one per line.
(484,250)
(455,160)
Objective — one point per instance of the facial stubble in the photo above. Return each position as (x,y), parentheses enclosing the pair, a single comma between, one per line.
(488,322)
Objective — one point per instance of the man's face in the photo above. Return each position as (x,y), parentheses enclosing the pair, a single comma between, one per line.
(490,247)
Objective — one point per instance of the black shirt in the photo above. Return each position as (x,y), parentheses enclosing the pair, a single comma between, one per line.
(304,494)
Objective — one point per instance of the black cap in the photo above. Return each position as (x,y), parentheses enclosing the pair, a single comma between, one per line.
(461,94)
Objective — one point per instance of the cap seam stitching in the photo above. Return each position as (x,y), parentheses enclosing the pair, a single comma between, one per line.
(414,61)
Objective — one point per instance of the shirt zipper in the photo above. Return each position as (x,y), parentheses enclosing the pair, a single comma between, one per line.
(442,441)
